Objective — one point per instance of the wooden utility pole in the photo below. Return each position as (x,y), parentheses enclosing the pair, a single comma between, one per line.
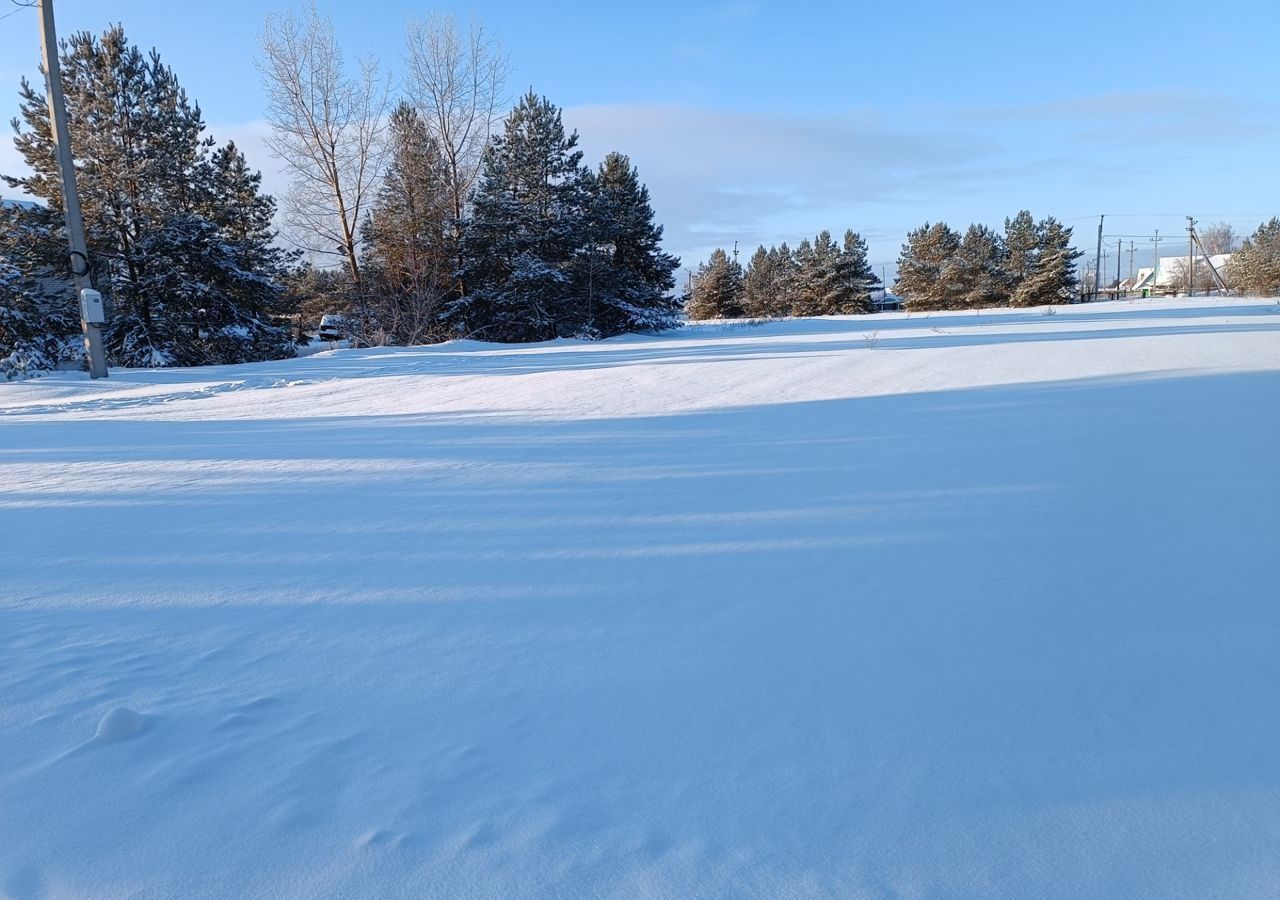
(91,317)
(1119,251)
(1191,260)
(1155,264)
(1208,260)
(1097,265)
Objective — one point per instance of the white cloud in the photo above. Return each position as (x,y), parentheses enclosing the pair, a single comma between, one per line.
(717,175)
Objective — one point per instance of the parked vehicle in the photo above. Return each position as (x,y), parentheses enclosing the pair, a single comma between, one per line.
(333,327)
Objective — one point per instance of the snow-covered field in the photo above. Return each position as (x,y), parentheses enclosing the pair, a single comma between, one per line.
(980,606)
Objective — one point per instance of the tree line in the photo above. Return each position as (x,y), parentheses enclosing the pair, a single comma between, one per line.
(1027,263)
(818,278)
(1030,263)
(444,218)
(443,228)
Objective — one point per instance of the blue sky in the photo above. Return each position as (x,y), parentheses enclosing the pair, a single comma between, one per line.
(764,121)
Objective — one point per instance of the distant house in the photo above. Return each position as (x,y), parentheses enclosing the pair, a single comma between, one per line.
(1169,270)
(15,203)
(883,301)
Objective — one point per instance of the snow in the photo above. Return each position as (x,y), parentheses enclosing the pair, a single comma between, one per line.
(918,606)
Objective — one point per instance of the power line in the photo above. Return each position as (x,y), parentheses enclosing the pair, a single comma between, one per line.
(21,5)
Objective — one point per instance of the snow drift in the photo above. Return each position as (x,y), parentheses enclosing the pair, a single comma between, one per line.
(893,606)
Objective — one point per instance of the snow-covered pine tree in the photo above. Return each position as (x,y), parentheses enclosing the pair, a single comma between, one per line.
(830,290)
(527,225)
(1052,276)
(21,353)
(978,269)
(36,331)
(621,268)
(923,276)
(206,307)
(1255,267)
(229,194)
(785,273)
(1021,240)
(759,297)
(408,248)
(806,281)
(856,277)
(717,289)
(144,167)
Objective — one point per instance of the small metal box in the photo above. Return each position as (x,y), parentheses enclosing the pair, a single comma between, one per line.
(91,309)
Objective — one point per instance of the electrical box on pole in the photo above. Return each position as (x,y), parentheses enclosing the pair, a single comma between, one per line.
(91,308)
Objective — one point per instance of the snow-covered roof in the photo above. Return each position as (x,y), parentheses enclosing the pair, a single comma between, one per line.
(1171,267)
(13,202)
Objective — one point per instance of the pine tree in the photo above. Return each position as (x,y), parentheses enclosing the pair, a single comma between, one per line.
(207,308)
(528,223)
(36,331)
(1052,277)
(830,292)
(409,252)
(148,186)
(978,270)
(759,284)
(621,270)
(717,289)
(786,273)
(405,234)
(924,274)
(230,196)
(805,282)
(856,277)
(20,330)
(1255,267)
(1021,240)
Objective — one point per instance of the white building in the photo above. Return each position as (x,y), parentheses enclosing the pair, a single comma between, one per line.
(1169,270)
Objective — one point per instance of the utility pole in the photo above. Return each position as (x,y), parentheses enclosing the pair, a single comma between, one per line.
(91,313)
(1131,263)
(1191,260)
(1155,263)
(1208,261)
(1119,251)
(1097,265)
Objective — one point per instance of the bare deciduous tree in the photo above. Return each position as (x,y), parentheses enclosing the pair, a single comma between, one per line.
(1219,237)
(1202,276)
(327,127)
(455,80)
